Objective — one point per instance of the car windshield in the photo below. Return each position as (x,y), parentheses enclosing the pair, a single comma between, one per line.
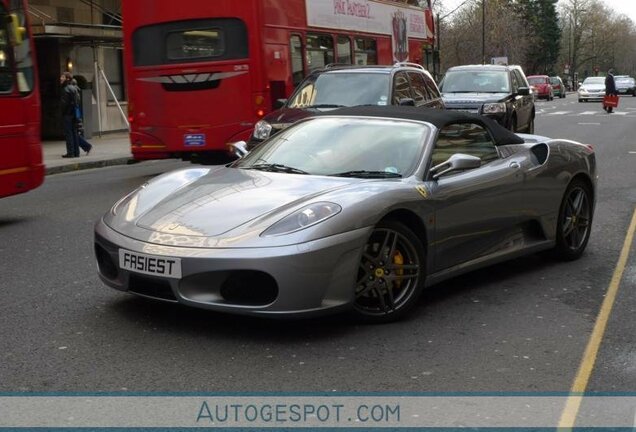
(594,80)
(332,90)
(625,80)
(537,80)
(337,146)
(555,81)
(466,81)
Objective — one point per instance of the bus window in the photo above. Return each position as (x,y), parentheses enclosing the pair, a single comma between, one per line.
(296,52)
(190,41)
(6,76)
(192,44)
(344,50)
(366,52)
(320,51)
(22,54)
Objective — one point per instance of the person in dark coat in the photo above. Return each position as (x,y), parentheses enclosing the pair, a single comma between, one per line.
(79,126)
(610,88)
(67,107)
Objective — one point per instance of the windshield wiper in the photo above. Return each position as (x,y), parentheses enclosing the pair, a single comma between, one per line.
(277,168)
(368,174)
(325,106)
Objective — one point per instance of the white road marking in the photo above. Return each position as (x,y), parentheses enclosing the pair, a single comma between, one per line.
(595,124)
(558,113)
(632,152)
(589,113)
(620,113)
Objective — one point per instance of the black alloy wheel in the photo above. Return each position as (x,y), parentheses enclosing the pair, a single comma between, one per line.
(391,273)
(575,221)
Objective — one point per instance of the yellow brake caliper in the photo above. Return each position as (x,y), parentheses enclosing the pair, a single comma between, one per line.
(398,259)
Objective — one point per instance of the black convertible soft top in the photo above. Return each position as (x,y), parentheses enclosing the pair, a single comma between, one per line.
(438,118)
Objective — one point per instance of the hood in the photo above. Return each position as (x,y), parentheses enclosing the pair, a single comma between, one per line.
(472,99)
(593,87)
(220,201)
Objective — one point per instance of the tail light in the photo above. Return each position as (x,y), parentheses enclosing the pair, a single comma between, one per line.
(259,102)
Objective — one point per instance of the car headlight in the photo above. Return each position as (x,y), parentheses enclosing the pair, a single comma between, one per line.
(262,129)
(582,90)
(494,108)
(304,218)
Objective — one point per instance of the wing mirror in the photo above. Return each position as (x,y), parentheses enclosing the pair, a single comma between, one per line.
(406,102)
(280,103)
(456,162)
(523,91)
(239,149)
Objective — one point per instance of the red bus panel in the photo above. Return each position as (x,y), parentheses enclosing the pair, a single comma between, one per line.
(21,166)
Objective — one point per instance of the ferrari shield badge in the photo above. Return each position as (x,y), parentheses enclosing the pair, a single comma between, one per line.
(422,191)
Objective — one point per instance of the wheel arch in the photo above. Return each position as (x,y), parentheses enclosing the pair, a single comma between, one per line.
(585,179)
(412,221)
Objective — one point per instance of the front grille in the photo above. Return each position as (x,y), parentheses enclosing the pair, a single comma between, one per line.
(151,287)
(105,263)
(249,288)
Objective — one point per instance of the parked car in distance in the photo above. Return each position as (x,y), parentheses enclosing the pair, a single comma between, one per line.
(500,92)
(558,87)
(542,83)
(592,88)
(345,86)
(625,85)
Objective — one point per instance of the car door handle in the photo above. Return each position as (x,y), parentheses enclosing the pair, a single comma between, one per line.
(515,165)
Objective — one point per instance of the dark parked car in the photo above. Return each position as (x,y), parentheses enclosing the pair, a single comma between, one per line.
(346,86)
(499,92)
(626,85)
(558,87)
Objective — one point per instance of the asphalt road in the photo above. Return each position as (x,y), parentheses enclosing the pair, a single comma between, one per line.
(519,326)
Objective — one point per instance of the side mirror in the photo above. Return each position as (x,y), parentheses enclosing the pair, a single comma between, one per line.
(456,162)
(406,102)
(280,103)
(239,149)
(523,91)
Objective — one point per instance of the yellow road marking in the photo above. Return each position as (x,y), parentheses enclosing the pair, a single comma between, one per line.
(568,416)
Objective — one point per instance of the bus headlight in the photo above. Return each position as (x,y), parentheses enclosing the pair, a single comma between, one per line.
(494,108)
(262,130)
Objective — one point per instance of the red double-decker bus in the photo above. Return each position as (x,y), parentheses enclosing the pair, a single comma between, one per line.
(21,167)
(201,73)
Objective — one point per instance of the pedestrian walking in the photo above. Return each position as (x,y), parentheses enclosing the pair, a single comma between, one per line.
(68,103)
(610,89)
(79,122)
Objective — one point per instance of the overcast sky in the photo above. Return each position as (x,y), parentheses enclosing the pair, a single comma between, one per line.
(627,7)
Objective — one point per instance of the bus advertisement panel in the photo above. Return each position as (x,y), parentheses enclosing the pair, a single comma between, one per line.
(21,166)
(200,77)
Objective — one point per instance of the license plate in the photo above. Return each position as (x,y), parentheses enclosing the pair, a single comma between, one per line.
(150,264)
(194,140)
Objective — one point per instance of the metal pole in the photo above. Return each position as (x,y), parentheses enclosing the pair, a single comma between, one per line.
(112,93)
(438,71)
(483,31)
(99,100)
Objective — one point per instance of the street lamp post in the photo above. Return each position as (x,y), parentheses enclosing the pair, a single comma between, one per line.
(483,31)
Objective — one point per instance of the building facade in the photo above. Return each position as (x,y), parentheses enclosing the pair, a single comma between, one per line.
(83,37)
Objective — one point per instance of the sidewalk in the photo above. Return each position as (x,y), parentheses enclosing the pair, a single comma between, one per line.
(110,149)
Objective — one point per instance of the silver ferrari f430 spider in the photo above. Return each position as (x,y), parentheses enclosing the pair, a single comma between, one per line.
(358,209)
